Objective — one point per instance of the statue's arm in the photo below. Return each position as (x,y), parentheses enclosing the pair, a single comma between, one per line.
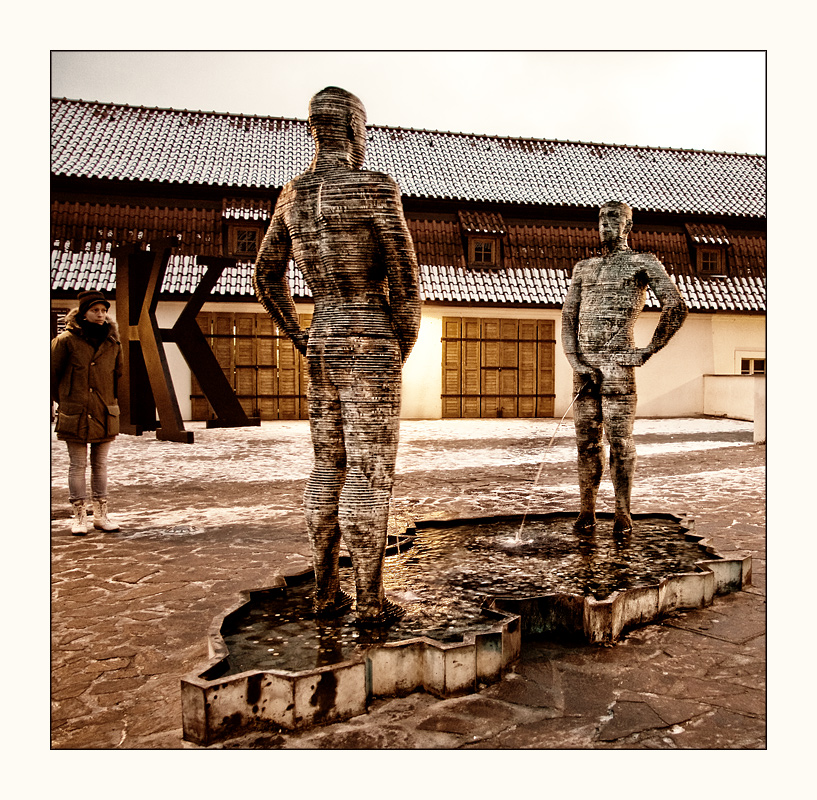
(570,322)
(397,250)
(270,279)
(673,308)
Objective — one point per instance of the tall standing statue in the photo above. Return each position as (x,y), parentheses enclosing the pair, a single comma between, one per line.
(606,295)
(345,229)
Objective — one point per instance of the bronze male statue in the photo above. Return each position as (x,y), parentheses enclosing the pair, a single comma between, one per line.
(606,295)
(345,229)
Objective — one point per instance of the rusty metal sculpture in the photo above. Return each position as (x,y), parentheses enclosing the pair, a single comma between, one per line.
(345,229)
(606,295)
(146,386)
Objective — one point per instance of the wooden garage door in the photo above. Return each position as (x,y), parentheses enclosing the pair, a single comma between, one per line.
(262,365)
(498,367)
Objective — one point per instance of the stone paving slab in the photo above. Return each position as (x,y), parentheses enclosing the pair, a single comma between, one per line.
(202,522)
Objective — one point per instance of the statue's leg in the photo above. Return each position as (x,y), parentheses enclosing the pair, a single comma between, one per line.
(619,416)
(587,420)
(370,409)
(324,487)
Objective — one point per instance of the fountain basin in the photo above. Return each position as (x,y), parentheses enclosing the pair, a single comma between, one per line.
(219,703)
(471,589)
(597,604)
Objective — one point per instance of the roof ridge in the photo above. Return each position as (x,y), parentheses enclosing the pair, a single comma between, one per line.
(565,141)
(402,129)
(112,104)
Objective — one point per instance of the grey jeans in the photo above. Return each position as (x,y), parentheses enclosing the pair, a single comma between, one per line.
(78,459)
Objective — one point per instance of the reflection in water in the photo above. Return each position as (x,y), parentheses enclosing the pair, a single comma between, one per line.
(444,578)
(488,559)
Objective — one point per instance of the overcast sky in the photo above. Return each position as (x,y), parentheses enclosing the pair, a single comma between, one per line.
(709,100)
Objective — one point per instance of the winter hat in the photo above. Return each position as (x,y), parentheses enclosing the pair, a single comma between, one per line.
(89,298)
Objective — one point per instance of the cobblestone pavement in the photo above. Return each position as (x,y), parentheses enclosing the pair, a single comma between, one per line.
(201,522)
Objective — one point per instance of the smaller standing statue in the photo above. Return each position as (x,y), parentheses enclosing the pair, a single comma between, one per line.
(606,295)
(345,229)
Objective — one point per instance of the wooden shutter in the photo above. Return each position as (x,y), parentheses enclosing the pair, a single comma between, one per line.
(261,364)
(497,367)
(200,408)
(546,372)
(223,345)
(305,321)
(266,354)
(508,367)
(528,351)
(452,371)
(245,362)
(471,387)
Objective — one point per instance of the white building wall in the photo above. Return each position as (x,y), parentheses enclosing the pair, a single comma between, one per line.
(671,384)
(737,336)
(734,396)
(166,316)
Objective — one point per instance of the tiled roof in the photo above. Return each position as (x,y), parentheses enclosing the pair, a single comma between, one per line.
(119,142)
(481,222)
(559,247)
(199,229)
(533,285)
(247,209)
(707,234)
(96,269)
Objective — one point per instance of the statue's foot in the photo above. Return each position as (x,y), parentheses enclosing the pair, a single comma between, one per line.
(585,522)
(390,612)
(622,523)
(334,608)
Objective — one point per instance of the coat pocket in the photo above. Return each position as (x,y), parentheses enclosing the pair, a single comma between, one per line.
(112,420)
(67,423)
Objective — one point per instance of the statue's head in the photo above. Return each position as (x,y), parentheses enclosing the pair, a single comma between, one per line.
(615,222)
(337,121)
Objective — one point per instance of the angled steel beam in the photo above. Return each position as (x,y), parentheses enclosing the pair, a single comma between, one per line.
(139,276)
(198,354)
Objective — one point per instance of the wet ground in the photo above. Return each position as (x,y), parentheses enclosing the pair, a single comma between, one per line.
(130,610)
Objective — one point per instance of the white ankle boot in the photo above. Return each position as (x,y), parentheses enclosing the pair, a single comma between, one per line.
(79,525)
(101,519)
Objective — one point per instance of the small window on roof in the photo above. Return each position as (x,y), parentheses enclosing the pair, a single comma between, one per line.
(710,260)
(244,241)
(483,252)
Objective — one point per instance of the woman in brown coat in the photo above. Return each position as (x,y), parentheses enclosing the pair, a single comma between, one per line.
(86,362)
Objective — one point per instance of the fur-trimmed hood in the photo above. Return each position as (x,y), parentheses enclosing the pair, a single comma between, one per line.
(72,324)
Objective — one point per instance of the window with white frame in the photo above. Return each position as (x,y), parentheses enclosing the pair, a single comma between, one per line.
(750,362)
(753,366)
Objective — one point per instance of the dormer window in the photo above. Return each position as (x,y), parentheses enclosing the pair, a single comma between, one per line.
(482,236)
(710,261)
(245,221)
(482,252)
(709,246)
(245,242)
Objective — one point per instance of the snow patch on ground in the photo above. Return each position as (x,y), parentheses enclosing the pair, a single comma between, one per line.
(282,451)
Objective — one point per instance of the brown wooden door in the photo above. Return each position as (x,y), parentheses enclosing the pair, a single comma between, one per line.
(452,367)
(262,365)
(498,367)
